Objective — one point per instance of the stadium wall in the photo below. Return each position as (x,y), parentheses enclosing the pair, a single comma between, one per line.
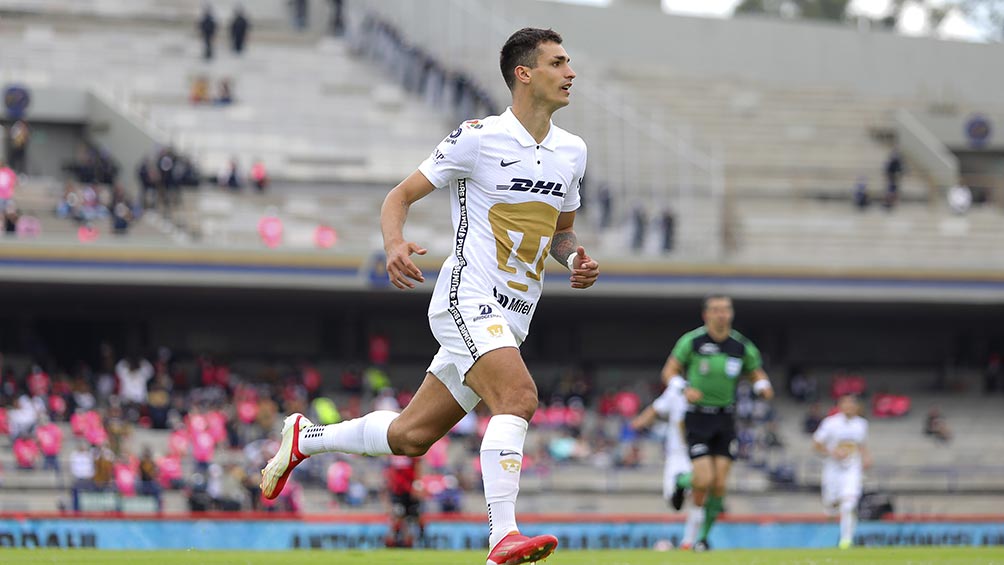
(468,532)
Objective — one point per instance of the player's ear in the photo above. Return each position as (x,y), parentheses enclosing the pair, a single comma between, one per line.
(523,74)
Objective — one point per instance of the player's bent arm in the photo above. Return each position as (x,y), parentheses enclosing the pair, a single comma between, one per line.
(393,215)
(644,419)
(565,249)
(820,448)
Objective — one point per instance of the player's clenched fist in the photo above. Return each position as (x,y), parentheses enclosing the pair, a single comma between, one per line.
(400,267)
(585,269)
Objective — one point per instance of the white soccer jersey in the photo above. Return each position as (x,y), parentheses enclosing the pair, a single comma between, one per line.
(506,193)
(849,433)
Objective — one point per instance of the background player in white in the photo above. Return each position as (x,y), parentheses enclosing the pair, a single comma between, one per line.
(671,405)
(841,439)
(514,184)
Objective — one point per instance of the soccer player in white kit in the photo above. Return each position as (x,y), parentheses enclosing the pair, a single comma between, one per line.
(841,439)
(671,406)
(514,183)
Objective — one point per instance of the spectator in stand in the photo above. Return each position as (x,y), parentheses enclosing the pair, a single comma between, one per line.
(144,175)
(259,176)
(26,452)
(165,167)
(104,467)
(339,476)
(50,441)
(861,200)
(199,91)
(668,227)
(207,27)
(226,95)
(118,428)
(23,417)
(82,471)
(299,13)
(239,27)
(133,374)
(121,210)
(10,217)
(229,175)
(19,135)
(935,425)
(893,172)
(337,18)
(148,478)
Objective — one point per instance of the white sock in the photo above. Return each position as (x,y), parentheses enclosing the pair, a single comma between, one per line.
(695,519)
(366,435)
(848,520)
(501,461)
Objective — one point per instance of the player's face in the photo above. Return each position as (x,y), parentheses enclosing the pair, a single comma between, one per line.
(718,314)
(848,406)
(551,79)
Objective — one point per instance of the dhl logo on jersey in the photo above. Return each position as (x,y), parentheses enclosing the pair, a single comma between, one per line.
(528,185)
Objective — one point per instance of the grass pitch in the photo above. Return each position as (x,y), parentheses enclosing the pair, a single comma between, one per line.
(911,556)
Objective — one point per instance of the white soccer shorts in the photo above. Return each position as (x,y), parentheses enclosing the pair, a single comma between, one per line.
(840,483)
(465,333)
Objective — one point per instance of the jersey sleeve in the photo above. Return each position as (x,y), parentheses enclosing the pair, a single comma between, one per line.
(573,200)
(751,358)
(822,432)
(454,158)
(663,405)
(683,350)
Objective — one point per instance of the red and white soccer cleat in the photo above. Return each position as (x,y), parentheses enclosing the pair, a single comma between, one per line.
(279,467)
(516,548)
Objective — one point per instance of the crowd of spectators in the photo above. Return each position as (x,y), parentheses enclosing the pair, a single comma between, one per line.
(218,423)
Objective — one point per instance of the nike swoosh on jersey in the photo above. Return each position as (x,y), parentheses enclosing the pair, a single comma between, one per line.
(504,164)
(505,452)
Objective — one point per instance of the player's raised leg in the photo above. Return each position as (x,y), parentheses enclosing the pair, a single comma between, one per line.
(429,416)
(502,380)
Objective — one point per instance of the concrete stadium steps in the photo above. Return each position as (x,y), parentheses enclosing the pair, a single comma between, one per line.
(262,12)
(834,233)
(310,110)
(817,133)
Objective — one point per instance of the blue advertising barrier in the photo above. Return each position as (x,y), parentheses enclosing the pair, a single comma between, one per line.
(266,534)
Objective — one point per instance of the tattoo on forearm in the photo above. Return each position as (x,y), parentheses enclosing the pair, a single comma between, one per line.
(563,244)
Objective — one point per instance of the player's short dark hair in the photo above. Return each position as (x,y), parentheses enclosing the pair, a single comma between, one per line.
(714,296)
(520,50)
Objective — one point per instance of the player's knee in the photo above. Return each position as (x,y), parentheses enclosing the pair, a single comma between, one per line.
(411,442)
(847,505)
(700,482)
(521,402)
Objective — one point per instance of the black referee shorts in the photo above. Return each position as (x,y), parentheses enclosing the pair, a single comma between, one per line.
(710,433)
